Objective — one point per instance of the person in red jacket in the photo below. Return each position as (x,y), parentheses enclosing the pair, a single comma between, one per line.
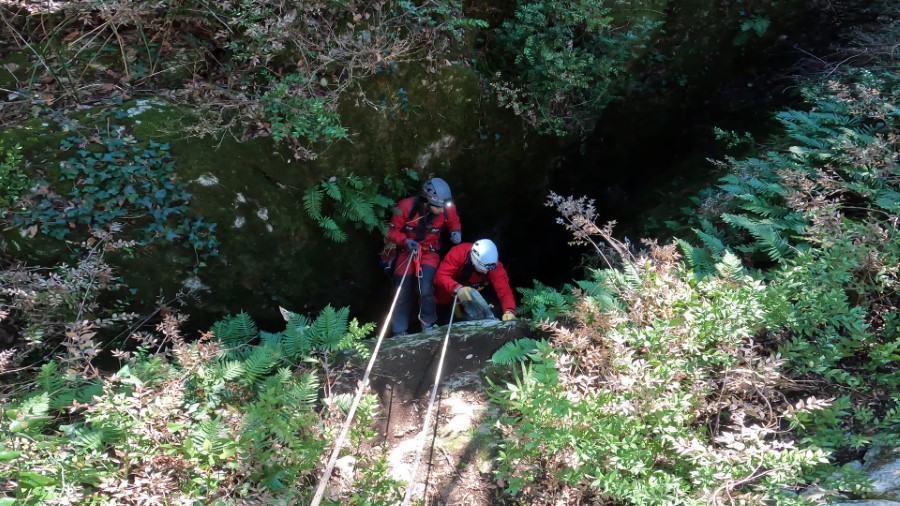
(468,268)
(416,226)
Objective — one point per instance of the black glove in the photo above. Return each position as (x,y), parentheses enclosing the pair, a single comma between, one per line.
(412,245)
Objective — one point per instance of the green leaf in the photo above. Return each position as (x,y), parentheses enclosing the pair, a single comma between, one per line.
(33,480)
(9,455)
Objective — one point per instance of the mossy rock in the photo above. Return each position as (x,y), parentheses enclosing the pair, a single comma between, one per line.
(271,253)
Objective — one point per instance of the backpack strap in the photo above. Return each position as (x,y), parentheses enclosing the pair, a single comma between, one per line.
(423,224)
(465,273)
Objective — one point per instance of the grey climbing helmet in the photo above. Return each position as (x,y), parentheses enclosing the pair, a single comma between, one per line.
(436,192)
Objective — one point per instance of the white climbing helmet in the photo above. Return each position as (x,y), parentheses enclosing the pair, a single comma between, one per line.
(484,255)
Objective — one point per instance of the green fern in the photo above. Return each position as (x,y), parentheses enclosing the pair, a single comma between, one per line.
(296,339)
(730,267)
(350,199)
(769,239)
(274,478)
(329,329)
(93,438)
(711,240)
(342,402)
(699,259)
(332,190)
(546,303)
(30,415)
(259,363)
(304,391)
(312,202)
(514,351)
(236,333)
(210,437)
(332,230)
(755,204)
(230,370)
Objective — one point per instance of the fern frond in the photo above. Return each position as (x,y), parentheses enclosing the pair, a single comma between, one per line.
(754,204)
(332,230)
(49,379)
(296,341)
(281,377)
(514,351)
(357,208)
(772,243)
(229,371)
(699,259)
(711,241)
(273,479)
(766,233)
(358,183)
(632,276)
(270,340)
(730,267)
(312,202)
(260,363)
(305,390)
(332,190)
(330,327)
(210,436)
(91,438)
(235,332)
(342,402)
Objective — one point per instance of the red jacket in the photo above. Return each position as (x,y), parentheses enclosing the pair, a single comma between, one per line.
(454,266)
(408,222)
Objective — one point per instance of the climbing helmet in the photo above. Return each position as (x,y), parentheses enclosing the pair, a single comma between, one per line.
(484,255)
(437,192)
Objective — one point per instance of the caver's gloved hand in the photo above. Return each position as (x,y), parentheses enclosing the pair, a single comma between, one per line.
(508,316)
(456,237)
(464,293)
(412,245)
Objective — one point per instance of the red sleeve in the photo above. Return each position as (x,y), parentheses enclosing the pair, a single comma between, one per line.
(450,265)
(398,221)
(500,280)
(453,223)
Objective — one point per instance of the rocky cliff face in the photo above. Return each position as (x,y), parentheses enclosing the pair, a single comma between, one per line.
(434,117)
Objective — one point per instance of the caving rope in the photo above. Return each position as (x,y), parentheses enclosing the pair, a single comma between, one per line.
(345,429)
(437,381)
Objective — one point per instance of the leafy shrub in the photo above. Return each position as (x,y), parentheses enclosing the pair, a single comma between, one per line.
(354,199)
(674,381)
(12,180)
(570,59)
(116,180)
(619,405)
(59,311)
(300,119)
(185,422)
(545,303)
(442,14)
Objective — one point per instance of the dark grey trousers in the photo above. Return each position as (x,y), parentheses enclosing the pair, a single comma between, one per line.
(412,285)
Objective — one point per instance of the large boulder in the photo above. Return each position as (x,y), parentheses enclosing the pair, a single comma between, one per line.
(456,462)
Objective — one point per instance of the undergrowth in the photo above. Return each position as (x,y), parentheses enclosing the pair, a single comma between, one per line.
(237,416)
(742,363)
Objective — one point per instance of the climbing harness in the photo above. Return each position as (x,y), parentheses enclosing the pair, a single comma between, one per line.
(345,429)
(437,381)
